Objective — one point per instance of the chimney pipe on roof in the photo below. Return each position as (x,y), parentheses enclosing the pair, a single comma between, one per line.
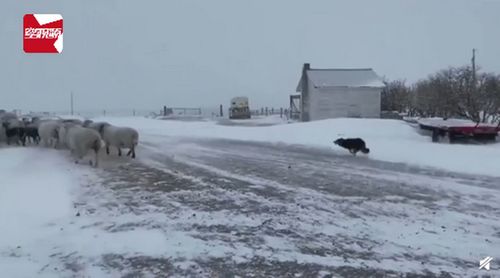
(304,106)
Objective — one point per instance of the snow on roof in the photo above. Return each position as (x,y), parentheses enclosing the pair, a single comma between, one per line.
(322,78)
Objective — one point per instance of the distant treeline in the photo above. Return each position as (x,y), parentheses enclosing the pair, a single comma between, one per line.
(453,92)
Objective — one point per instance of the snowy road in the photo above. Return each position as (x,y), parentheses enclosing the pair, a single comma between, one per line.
(220,208)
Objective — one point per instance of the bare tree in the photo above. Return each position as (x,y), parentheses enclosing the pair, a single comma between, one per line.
(453,92)
(464,87)
(489,97)
(395,96)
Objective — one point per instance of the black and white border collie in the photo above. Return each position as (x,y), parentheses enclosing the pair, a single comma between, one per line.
(354,145)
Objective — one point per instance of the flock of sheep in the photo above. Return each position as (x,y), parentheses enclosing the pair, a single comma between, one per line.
(77,136)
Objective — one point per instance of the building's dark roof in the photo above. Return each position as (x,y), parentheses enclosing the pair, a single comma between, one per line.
(322,78)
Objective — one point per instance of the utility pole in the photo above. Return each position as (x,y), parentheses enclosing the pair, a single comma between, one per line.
(474,67)
(474,83)
(72,104)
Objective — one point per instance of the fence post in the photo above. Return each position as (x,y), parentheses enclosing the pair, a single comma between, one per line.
(221,112)
(164,110)
(266,112)
(133,112)
(281,112)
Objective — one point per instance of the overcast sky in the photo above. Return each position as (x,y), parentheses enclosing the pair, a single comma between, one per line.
(143,54)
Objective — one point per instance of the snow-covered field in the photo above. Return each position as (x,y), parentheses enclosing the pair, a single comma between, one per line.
(203,200)
(388,140)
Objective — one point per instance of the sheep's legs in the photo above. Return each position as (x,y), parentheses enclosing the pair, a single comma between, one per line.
(96,164)
(119,151)
(131,151)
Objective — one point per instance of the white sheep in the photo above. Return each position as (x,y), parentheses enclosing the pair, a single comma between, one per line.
(119,137)
(95,125)
(48,131)
(80,140)
(62,132)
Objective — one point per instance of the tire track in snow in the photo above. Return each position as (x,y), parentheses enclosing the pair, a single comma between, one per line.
(251,215)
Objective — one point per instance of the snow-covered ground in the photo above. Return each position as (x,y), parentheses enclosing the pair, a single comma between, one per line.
(388,140)
(200,207)
(35,203)
(43,227)
(255,121)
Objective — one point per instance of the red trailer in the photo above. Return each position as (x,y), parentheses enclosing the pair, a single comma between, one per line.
(456,129)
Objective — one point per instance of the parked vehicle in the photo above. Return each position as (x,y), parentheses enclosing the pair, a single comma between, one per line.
(459,130)
(239,108)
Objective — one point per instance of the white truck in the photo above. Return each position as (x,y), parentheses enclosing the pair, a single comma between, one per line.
(239,108)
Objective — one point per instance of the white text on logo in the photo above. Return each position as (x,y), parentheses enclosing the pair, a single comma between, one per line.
(42,33)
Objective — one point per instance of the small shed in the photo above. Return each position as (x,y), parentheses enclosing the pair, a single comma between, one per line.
(335,93)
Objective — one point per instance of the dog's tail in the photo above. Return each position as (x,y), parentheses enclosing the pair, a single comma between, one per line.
(365,150)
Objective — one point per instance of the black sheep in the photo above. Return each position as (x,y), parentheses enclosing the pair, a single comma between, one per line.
(17,133)
(31,133)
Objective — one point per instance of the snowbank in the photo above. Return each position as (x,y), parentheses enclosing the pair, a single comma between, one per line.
(388,140)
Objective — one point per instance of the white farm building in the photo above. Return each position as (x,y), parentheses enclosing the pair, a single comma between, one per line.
(335,93)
